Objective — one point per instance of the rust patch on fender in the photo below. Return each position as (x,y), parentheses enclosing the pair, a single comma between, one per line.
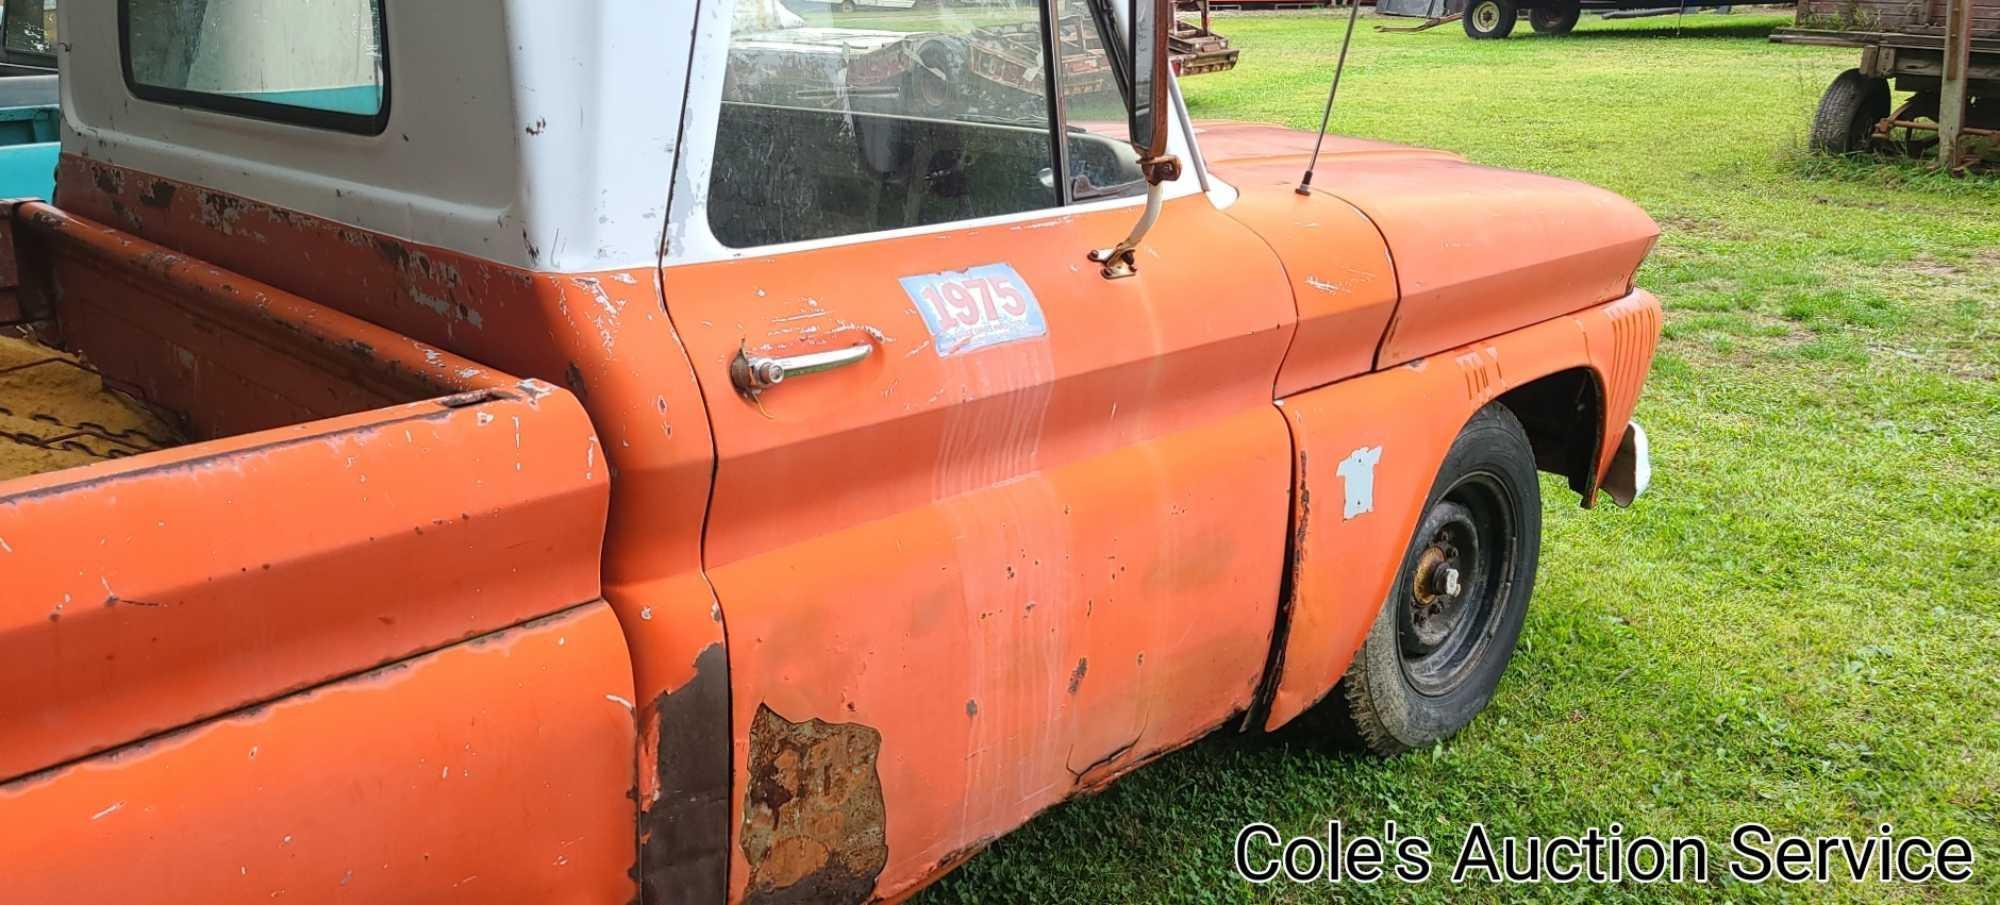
(684,832)
(1293,571)
(813,827)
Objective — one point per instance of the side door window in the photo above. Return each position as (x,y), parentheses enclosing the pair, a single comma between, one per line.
(836,123)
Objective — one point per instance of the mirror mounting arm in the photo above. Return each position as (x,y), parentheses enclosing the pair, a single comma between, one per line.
(1121,260)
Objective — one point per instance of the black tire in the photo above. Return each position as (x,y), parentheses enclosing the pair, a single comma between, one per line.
(847,6)
(1435,655)
(1486,19)
(1555,20)
(1848,112)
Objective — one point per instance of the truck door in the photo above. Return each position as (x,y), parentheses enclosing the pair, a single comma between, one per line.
(988,528)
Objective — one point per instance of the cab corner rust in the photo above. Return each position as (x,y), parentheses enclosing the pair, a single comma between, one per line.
(684,830)
(813,822)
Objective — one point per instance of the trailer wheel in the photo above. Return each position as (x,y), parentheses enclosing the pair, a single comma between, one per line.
(1555,20)
(1848,112)
(1490,18)
(1448,628)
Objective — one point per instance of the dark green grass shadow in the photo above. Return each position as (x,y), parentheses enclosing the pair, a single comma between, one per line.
(1703,29)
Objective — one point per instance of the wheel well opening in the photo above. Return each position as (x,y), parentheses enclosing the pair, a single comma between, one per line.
(1563,414)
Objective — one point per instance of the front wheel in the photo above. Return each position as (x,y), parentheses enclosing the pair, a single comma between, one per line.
(1436,651)
(1555,20)
(1490,18)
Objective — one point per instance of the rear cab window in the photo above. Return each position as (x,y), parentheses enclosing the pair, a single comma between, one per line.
(28,33)
(319,63)
(843,122)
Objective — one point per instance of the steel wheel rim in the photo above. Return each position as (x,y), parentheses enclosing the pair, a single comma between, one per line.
(1442,638)
(1486,16)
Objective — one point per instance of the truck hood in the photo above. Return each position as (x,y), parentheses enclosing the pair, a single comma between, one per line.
(1477,251)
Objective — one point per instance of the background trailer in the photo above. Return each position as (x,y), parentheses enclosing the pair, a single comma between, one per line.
(1496,18)
(1946,52)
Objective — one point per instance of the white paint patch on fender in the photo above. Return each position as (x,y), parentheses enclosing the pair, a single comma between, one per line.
(1357,475)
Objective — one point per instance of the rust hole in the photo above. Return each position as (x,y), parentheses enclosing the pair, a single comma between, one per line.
(812,814)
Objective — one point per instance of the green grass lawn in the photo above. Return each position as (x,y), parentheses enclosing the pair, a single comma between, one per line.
(1799,625)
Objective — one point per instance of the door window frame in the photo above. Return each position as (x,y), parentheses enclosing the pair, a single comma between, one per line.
(688,238)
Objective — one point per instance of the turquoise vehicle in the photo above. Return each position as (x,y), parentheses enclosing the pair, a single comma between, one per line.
(30,105)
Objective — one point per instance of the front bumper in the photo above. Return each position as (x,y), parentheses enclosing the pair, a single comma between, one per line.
(1631,468)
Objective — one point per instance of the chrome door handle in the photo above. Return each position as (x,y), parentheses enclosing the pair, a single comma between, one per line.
(753,374)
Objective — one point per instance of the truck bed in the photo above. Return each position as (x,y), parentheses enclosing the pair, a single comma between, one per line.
(224,353)
(258,495)
(56,412)
(144,349)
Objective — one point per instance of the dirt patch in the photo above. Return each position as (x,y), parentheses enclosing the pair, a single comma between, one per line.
(813,828)
(1672,226)
(1932,267)
(56,413)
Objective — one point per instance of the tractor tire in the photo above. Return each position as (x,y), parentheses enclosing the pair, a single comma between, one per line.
(1848,112)
(1555,20)
(1488,19)
(1445,635)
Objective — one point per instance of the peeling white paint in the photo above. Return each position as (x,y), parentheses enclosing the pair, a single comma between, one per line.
(1357,475)
(621,702)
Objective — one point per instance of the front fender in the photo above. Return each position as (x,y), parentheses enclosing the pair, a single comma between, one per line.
(1366,451)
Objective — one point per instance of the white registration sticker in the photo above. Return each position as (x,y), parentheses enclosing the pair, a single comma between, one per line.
(976,307)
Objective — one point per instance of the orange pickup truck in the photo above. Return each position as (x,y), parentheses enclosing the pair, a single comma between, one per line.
(705,452)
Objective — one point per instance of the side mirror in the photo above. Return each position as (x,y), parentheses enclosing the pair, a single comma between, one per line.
(1149,24)
(1140,65)
(1139,62)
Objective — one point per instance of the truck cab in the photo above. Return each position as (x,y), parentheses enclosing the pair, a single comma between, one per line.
(726,451)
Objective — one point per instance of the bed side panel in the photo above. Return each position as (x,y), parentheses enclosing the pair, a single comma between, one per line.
(145,594)
(497,770)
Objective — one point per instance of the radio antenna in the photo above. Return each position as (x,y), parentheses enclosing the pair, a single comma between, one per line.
(1353,12)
